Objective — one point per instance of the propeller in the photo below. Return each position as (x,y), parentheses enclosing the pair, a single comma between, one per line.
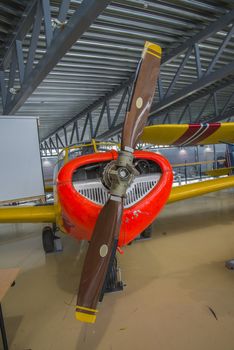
(120,174)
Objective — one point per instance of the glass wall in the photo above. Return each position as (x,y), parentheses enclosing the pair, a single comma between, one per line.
(191,163)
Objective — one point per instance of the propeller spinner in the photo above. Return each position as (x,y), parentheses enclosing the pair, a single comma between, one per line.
(121,174)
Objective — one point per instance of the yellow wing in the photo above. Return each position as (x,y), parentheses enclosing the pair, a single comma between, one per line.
(48,213)
(189,134)
(43,213)
(198,189)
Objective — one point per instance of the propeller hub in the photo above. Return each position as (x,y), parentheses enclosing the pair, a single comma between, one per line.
(118,175)
(123,173)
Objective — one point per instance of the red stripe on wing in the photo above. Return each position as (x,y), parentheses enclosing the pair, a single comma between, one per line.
(211,129)
(192,129)
(201,135)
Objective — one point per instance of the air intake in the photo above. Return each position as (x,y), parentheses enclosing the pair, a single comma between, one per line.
(97,193)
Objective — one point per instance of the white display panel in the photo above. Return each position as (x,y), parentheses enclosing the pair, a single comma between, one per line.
(20,162)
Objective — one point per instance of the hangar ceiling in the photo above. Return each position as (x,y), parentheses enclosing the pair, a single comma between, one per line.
(10,15)
(81,91)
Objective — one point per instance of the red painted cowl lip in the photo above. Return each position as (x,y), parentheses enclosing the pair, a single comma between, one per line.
(79,214)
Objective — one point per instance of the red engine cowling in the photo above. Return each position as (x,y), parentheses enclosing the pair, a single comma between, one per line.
(79,214)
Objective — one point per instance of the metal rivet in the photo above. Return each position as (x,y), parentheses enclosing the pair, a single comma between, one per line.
(103,250)
(139,102)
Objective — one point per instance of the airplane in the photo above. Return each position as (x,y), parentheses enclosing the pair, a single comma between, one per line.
(109,198)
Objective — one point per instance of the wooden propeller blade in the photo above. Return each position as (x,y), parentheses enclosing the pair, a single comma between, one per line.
(143,92)
(108,224)
(97,259)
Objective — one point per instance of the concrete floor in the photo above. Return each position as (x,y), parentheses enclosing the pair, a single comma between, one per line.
(173,281)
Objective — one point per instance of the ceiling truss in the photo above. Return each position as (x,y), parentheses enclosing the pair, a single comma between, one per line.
(59,36)
(188,78)
(206,81)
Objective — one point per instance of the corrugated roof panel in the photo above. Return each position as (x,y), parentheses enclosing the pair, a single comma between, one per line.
(107,54)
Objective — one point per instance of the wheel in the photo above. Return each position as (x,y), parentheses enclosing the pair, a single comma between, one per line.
(111,281)
(147,232)
(48,239)
(230,264)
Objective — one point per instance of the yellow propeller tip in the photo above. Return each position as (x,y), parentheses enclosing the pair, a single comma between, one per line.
(81,316)
(154,47)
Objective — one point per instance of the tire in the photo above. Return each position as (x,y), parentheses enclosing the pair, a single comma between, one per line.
(147,232)
(111,281)
(48,239)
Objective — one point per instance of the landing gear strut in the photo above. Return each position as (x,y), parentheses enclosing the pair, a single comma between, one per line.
(147,233)
(113,281)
